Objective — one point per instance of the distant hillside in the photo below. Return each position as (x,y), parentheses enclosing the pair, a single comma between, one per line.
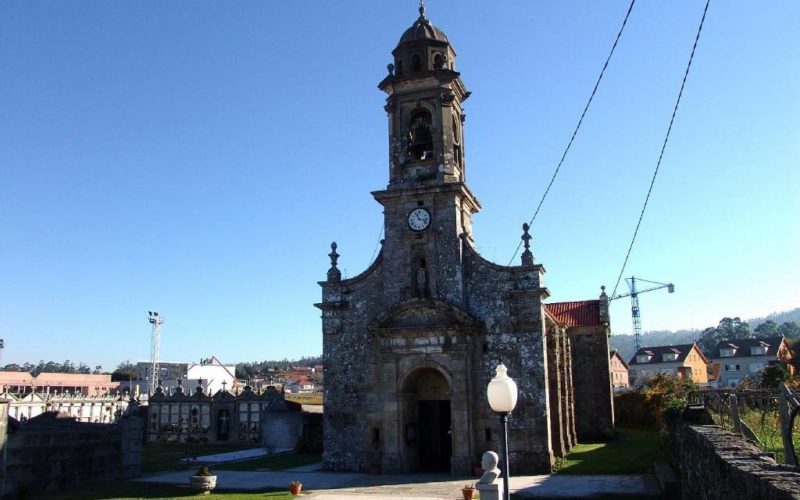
(626,345)
(781,317)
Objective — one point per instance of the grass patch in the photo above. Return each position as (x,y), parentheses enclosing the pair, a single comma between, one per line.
(136,490)
(276,462)
(305,399)
(631,451)
(164,457)
(766,425)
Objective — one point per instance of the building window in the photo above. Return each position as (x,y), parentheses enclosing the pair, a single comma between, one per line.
(758,350)
(669,356)
(643,358)
(727,352)
(757,366)
(416,63)
(732,368)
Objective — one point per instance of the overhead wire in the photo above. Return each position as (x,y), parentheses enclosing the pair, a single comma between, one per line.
(377,245)
(578,126)
(663,148)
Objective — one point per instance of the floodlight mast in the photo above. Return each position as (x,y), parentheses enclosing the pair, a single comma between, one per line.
(155,321)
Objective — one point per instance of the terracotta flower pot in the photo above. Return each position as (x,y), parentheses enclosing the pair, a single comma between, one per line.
(294,489)
(468,493)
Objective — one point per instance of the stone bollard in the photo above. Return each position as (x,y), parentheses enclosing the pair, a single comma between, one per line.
(488,487)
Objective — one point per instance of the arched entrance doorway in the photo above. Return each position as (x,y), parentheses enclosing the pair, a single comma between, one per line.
(427,421)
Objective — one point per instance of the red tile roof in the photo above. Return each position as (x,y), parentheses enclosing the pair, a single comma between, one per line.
(579,313)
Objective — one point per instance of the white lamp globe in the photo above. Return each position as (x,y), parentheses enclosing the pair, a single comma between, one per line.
(502,391)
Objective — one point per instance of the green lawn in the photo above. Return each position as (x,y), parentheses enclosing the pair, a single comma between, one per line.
(632,451)
(136,490)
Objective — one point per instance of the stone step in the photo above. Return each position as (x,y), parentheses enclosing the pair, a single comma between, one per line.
(667,479)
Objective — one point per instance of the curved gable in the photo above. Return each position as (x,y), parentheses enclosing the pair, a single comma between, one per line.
(427,314)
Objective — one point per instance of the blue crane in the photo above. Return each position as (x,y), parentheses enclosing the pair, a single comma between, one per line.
(634,295)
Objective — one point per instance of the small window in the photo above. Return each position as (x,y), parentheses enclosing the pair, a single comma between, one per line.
(416,63)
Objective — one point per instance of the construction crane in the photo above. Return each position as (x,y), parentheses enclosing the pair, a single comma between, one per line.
(634,295)
(156,321)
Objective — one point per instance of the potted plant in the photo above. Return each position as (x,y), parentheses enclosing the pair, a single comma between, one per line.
(295,487)
(203,481)
(468,491)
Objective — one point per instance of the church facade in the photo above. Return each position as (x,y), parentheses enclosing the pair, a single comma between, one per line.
(410,344)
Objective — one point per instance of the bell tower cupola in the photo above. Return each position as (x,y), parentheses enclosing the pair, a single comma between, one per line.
(424,106)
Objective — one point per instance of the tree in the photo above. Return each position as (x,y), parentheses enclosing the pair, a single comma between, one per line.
(727,329)
(773,375)
(766,329)
(789,329)
(125,371)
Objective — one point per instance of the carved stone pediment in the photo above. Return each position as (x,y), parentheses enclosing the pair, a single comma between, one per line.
(425,314)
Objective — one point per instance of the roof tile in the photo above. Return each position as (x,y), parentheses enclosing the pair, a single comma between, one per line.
(578,313)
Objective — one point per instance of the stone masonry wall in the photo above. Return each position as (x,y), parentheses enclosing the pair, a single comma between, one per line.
(715,463)
(508,301)
(350,355)
(592,383)
(68,454)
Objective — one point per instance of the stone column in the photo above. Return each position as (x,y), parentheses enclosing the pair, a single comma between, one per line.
(554,382)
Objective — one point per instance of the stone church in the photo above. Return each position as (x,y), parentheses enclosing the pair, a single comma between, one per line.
(410,344)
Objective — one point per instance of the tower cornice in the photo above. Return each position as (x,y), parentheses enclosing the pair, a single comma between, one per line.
(451,187)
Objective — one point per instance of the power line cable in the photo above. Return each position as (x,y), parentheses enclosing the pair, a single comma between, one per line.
(377,245)
(577,127)
(663,147)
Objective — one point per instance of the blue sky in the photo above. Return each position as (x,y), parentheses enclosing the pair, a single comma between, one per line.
(197,158)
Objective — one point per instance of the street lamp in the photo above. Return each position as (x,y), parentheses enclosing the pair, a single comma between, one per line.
(502,394)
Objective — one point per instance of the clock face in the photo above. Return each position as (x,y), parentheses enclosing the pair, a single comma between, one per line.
(419,219)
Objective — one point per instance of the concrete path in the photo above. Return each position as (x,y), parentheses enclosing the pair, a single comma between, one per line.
(232,456)
(320,485)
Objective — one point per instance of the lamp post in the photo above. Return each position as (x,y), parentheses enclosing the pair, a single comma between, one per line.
(502,394)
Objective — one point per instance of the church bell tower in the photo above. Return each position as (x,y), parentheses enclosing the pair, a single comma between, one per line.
(427,205)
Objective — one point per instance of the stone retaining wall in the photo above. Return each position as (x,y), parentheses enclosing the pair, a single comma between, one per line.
(715,463)
(55,454)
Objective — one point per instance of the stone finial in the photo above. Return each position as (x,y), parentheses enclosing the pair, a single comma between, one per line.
(527,256)
(604,318)
(421,9)
(333,273)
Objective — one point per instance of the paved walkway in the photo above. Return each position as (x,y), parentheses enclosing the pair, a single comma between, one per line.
(319,485)
(233,456)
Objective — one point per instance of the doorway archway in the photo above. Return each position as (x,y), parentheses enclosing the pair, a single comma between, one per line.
(427,421)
